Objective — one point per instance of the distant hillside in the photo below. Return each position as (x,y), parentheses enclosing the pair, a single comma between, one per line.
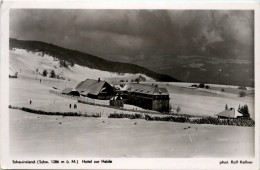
(87,60)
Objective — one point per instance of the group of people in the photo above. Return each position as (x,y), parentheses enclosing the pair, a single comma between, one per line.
(75,106)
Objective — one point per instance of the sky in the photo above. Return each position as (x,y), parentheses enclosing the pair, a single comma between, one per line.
(152,38)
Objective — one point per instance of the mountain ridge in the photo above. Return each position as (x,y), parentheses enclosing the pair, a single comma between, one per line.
(85,59)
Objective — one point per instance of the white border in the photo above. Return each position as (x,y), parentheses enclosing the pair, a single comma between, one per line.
(125,163)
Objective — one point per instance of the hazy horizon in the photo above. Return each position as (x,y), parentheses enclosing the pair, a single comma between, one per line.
(203,45)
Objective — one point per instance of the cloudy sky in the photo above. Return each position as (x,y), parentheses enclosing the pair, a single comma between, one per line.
(151,38)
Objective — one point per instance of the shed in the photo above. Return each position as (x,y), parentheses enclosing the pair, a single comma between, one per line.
(70,91)
(116,101)
(227,114)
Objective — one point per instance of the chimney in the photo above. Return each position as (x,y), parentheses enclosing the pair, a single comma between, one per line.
(98,79)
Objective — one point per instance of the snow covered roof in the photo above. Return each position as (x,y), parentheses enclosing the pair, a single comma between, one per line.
(147,89)
(238,114)
(66,90)
(230,113)
(90,86)
(122,87)
(116,98)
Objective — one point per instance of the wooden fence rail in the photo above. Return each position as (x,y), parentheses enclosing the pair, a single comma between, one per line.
(81,99)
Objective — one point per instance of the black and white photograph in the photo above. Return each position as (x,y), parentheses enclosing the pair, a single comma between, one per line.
(131,83)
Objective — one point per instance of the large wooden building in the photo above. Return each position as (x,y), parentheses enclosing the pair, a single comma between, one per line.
(95,89)
(148,97)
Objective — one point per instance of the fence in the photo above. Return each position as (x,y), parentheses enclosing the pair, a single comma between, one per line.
(93,101)
(82,99)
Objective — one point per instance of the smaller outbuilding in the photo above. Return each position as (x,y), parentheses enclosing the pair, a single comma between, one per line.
(116,101)
(13,75)
(227,114)
(70,91)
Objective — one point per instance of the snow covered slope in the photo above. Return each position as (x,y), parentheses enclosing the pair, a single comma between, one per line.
(27,63)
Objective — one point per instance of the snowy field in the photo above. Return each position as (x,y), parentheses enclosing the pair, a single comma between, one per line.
(56,136)
(22,91)
(208,105)
(185,84)
(205,102)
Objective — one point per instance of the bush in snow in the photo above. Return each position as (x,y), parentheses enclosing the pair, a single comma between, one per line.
(242,88)
(242,94)
(44,73)
(142,78)
(53,75)
(72,63)
(178,109)
(201,85)
(63,64)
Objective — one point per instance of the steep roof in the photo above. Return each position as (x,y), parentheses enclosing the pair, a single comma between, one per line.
(90,86)
(147,89)
(230,113)
(66,90)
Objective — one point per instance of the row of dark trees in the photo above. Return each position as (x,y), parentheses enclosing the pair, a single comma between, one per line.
(201,85)
(137,80)
(242,109)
